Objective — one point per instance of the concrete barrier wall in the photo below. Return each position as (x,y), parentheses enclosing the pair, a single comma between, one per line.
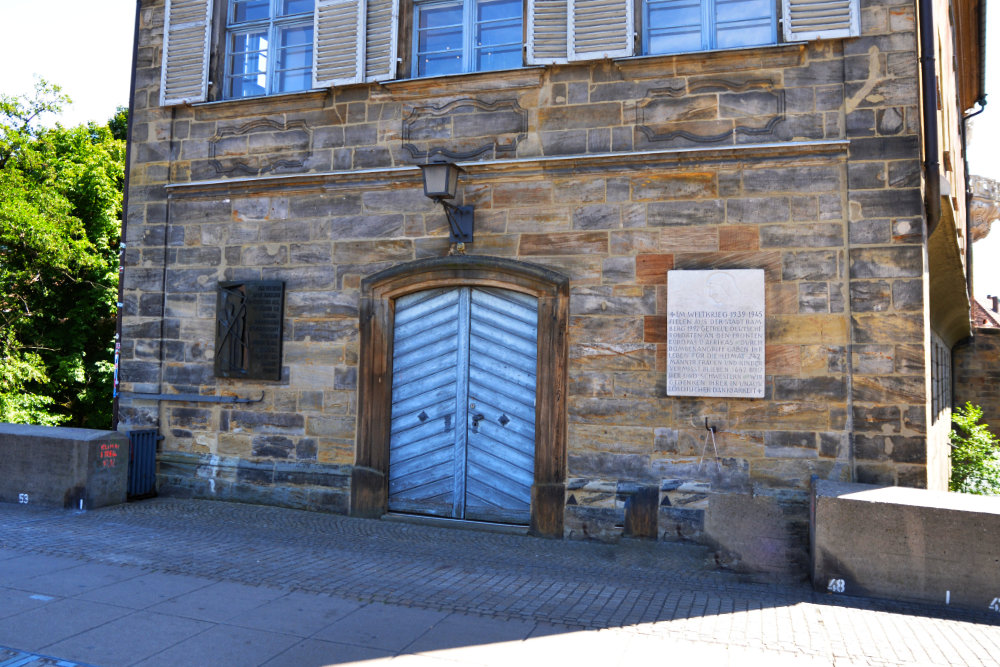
(62,467)
(906,544)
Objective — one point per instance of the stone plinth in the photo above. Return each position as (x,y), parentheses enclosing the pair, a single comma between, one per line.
(906,544)
(62,467)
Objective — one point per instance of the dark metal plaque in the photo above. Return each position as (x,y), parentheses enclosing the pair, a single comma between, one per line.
(248,338)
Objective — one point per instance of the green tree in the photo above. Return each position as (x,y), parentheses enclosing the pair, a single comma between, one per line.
(60,222)
(975,454)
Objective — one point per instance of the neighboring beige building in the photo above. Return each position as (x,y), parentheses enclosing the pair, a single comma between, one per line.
(279,248)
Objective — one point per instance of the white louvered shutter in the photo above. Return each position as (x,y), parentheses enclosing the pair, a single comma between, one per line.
(820,19)
(339,51)
(600,29)
(186,39)
(547,31)
(381,41)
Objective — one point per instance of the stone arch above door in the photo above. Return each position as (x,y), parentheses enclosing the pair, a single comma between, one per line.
(369,483)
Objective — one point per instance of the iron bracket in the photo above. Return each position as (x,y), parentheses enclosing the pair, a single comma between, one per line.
(192,398)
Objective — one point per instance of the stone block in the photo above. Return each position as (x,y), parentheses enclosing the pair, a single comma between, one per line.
(565,243)
(674,185)
(817,235)
(798,179)
(861,548)
(758,210)
(870,296)
(580,116)
(739,237)
(690,239)
(73,468)
(685,212)
(597,216)
(810,265)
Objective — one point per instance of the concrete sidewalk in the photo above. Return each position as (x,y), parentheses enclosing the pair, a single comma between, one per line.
(182,582)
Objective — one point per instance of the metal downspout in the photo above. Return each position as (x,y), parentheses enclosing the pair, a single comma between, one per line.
(121,247)
(928,81)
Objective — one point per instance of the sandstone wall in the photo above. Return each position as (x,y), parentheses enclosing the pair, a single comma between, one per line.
(802,160)
(977,374)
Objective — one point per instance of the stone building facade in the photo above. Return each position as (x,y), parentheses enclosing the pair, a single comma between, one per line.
(593,172)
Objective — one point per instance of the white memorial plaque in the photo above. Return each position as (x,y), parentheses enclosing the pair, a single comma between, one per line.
(715,333)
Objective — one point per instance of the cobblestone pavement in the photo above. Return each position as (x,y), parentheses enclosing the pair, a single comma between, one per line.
(654,592)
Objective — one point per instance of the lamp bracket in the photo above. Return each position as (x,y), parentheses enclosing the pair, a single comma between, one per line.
(460,220)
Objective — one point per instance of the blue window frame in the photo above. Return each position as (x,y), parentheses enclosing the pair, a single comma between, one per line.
(678,26)
(269,47)
(452,36)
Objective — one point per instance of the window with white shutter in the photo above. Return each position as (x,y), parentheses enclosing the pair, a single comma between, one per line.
(820,19)
(547,31)
(600,29)
(340,48)
(186,42)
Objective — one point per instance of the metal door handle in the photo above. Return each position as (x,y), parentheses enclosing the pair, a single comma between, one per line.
(475,421)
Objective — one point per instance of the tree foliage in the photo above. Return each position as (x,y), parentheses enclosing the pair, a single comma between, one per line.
(975,454)
(60,222)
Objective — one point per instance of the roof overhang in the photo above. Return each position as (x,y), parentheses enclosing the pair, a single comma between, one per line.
(950,308)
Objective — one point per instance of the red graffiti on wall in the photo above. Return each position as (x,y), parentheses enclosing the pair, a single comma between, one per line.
(108,455)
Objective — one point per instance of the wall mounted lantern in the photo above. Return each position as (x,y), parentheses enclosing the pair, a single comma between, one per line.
(440,184)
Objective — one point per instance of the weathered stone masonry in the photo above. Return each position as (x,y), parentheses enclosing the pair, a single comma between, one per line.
(800,159)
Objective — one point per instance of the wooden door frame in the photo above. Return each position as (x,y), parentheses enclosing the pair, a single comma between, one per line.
(370,476)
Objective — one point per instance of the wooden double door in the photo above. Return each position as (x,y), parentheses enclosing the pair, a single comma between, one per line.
(462,437)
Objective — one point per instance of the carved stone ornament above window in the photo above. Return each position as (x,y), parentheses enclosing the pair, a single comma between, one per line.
(260,147)
(711,111)
(465,129)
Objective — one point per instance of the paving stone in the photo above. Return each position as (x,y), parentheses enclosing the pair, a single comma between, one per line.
(435,595)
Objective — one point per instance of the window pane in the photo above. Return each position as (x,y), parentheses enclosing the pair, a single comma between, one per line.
(439,39)
(492,58)
(290,7)
(294,80)
(294,67)
(251,10)
(438,64)
(249,53)
(434,16)
(493,10)
(498,33)
(744,23)
(449,39)
(674,26)
(246,87)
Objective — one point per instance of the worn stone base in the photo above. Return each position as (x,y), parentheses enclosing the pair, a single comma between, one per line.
(906,544)
(62,467)
(309,486)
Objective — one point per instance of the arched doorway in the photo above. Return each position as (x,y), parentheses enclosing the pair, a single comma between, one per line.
(422,446)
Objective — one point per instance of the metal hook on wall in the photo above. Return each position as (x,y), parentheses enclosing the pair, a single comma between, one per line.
(709,428)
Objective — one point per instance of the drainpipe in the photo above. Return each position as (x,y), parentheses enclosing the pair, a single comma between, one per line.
(121,247)
(968,192)
(928,81)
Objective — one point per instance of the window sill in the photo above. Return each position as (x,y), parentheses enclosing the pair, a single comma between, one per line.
(716,60)
(279,102)
(467,82)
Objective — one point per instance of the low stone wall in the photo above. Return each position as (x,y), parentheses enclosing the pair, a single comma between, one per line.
(977,374)
(906,544)
(62,467)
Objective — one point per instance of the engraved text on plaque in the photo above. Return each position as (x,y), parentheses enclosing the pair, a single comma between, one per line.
(715,333)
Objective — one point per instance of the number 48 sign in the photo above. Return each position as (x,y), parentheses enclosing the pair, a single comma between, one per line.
(995,605)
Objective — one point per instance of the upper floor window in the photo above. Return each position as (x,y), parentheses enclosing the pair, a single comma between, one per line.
(678,26)
(452,36)
(269,47)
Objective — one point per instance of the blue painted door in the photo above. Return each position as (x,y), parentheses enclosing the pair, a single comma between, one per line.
(462,438)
